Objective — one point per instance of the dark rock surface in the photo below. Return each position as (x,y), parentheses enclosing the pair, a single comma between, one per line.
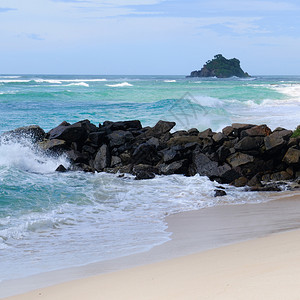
(242,154)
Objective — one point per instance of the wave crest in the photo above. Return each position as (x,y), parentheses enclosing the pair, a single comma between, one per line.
(123,84)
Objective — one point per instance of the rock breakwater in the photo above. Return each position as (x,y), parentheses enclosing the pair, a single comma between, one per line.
(241,154)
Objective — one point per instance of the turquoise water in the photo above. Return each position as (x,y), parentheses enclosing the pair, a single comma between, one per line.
(50,221)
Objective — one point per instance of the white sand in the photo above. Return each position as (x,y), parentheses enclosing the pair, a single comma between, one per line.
(265,268)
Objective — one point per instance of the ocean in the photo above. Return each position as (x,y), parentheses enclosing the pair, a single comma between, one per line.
(51,220)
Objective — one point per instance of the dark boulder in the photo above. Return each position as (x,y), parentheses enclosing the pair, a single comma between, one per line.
(241,181)
(55,145)
(208,133)
(32,132)
(102,159)
(183,140)
(277,140)
(68,133)
(204,166)
(132,125)
(219,193)
(292,156)
(97,138)
(260,130)
(160,129)
(176,167)
(146,154)
(61,169)
(119,137)
(238,159)
(141,175)
(115,161)
(146,168)
(219,138)
(144,171)
(77,157)
(249,143)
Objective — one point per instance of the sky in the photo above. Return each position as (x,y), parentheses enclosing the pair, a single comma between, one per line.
(172,37)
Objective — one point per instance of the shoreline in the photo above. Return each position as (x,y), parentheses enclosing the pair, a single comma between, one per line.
(192,232)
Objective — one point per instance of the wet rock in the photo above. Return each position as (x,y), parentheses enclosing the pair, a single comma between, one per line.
(219,137)
(122,125)
(219,193)
(170,155)
(146,154)
(292,156)
(223,152)
(283,175)
(239,127)
(225,174)
(119,137)
(68,133)
(61,168)
(183,140)
(260,130)
(55,145)
(177,167)
(33,132)
(249,143)
(82,167)
(266,188)
(204,166)
(115,160)
(208,133)
(193,131)
(254,181)
(228,130)
(277,140)
(145,168)
(88,149)
(102,159)
(239,159)
(241,181)
(97,138)
(77,157)
(141,175)
(161,128)
(153,142)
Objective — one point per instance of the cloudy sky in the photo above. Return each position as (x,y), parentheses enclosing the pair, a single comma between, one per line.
(147,36)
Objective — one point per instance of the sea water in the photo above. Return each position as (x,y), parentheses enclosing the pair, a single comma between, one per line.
(51,220)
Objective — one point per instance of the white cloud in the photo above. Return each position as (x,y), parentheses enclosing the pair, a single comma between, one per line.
(250,6)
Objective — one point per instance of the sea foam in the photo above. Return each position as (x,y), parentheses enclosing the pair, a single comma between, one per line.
(123,84)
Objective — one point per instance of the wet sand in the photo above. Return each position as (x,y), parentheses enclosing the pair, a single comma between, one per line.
(193,232)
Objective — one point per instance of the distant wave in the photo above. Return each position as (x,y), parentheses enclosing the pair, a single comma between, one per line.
(79,84)
(14,80)
(40,80)
(169,80)
(123,84)
(4,76)
(47,81)
(85,80)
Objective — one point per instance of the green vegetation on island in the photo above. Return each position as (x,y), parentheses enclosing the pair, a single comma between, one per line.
(221,67)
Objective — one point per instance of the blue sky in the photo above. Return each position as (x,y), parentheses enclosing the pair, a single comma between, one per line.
(147,37)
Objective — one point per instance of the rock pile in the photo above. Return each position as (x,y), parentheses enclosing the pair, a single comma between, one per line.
(242,154)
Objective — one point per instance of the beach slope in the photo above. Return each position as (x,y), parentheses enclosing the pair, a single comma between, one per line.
(263,268)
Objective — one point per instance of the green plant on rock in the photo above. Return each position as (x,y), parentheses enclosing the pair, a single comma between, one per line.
(296,132)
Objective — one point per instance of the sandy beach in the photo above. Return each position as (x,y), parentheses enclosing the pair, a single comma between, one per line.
(262,266)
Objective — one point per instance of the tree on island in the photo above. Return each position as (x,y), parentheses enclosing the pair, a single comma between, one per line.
(220,67)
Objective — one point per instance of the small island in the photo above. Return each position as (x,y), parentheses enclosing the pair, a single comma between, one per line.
(221,67)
